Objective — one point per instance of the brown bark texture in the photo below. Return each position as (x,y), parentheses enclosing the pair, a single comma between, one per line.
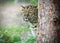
(47,22)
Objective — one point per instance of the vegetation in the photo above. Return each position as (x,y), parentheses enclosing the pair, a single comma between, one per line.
(12,34)
(33,2)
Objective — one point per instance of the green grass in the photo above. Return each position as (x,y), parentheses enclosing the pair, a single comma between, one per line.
(11,34)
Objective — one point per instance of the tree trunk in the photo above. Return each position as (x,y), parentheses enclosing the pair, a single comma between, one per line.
(47,21)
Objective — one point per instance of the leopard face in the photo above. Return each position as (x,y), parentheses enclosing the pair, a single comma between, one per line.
(31,14)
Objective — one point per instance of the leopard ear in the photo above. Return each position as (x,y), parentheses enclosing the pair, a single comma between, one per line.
(36,7)
(23,7)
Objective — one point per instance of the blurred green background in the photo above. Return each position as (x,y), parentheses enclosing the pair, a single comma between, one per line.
(33,2)
(12,34)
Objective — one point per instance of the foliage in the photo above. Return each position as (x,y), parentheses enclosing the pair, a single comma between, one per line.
(34,2)
(31,40)
(4,1)
(11,34)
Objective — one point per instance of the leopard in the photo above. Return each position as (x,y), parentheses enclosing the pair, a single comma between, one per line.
(31,14)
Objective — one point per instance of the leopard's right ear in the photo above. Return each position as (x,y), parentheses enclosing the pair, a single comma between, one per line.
(23,7)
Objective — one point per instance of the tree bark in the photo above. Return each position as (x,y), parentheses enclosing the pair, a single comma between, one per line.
(47,21)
